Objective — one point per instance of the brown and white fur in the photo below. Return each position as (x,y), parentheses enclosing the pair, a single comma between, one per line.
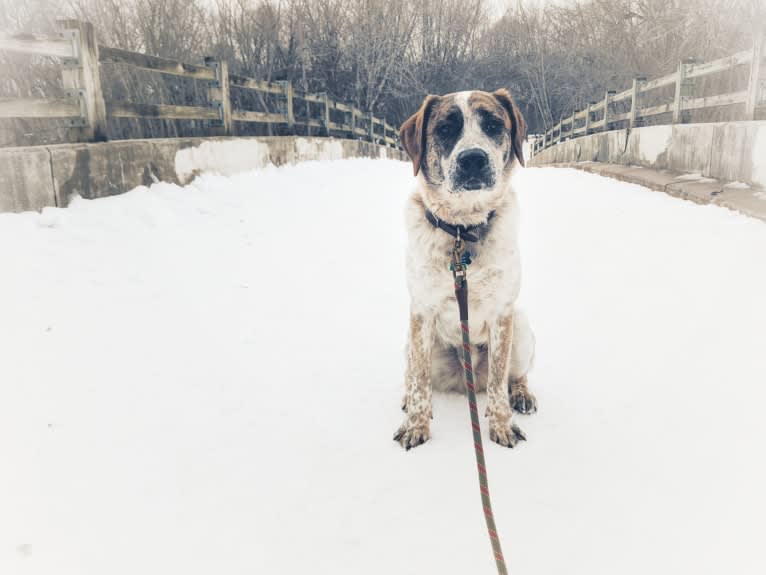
(463,148)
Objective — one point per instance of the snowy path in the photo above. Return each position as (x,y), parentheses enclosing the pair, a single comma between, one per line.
(171,400)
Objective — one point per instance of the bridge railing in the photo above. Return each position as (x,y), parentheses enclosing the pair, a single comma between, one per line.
(86,111)
(629,108)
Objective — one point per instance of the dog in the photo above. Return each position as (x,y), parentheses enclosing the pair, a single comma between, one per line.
(464,148)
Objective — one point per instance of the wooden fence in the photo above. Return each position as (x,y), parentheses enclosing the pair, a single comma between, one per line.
(605,115)
(86,111)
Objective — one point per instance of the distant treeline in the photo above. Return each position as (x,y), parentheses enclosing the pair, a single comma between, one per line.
(385,55)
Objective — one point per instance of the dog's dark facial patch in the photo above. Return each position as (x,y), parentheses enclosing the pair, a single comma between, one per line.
(492,125)
(444,129)
(447,128)
(494,119)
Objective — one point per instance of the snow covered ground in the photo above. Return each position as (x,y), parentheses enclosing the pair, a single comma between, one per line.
(205,380)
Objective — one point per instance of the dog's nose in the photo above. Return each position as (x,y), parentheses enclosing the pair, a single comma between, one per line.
(473,160)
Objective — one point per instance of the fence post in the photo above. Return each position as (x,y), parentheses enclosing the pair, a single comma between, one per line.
(372,127)
(219,95)
(353,122)
(754,85)
(634,101)
(607,99)
(683,89)
(587,118)
(561,129)
(81,80)
(325,113)
(287,87)
(308,117)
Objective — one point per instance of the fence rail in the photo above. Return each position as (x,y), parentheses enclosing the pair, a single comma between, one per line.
(602,116)
(87,112)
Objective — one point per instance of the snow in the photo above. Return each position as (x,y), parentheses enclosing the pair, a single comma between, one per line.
(653,141)
(226,157)
(206,379)
(736,186)
(698,178)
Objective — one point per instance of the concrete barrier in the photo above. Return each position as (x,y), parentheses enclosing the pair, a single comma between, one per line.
(25,179)
(35,177)
(730,151)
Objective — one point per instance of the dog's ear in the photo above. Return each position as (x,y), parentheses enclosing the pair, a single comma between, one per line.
(412,134)
(518,125)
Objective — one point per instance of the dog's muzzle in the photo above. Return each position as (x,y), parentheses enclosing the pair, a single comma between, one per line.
(473,170)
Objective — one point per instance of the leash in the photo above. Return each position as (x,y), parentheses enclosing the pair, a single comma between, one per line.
(461,258)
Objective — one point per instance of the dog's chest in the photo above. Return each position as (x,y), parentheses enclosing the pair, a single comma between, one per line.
(493,283)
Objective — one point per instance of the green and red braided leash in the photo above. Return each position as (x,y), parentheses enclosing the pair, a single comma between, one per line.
(460,260)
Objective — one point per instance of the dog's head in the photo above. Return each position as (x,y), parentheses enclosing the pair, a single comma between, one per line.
(464,146)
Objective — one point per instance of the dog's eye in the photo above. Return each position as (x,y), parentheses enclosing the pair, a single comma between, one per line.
(492,126)
(447,129)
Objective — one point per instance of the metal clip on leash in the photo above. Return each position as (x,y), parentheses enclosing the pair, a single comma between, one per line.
(461,258)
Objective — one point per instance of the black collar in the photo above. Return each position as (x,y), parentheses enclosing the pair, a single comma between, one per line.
(467,233)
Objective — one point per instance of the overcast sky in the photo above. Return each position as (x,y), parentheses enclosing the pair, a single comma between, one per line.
(500,6)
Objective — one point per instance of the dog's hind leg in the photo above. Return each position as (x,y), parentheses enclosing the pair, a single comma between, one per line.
(522,400)
(522,358)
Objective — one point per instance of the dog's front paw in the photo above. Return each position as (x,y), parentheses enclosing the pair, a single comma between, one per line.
(506,434)
(524,402)
(413,432)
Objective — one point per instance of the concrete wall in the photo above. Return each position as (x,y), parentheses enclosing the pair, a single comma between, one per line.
(731,151)
(35,177)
